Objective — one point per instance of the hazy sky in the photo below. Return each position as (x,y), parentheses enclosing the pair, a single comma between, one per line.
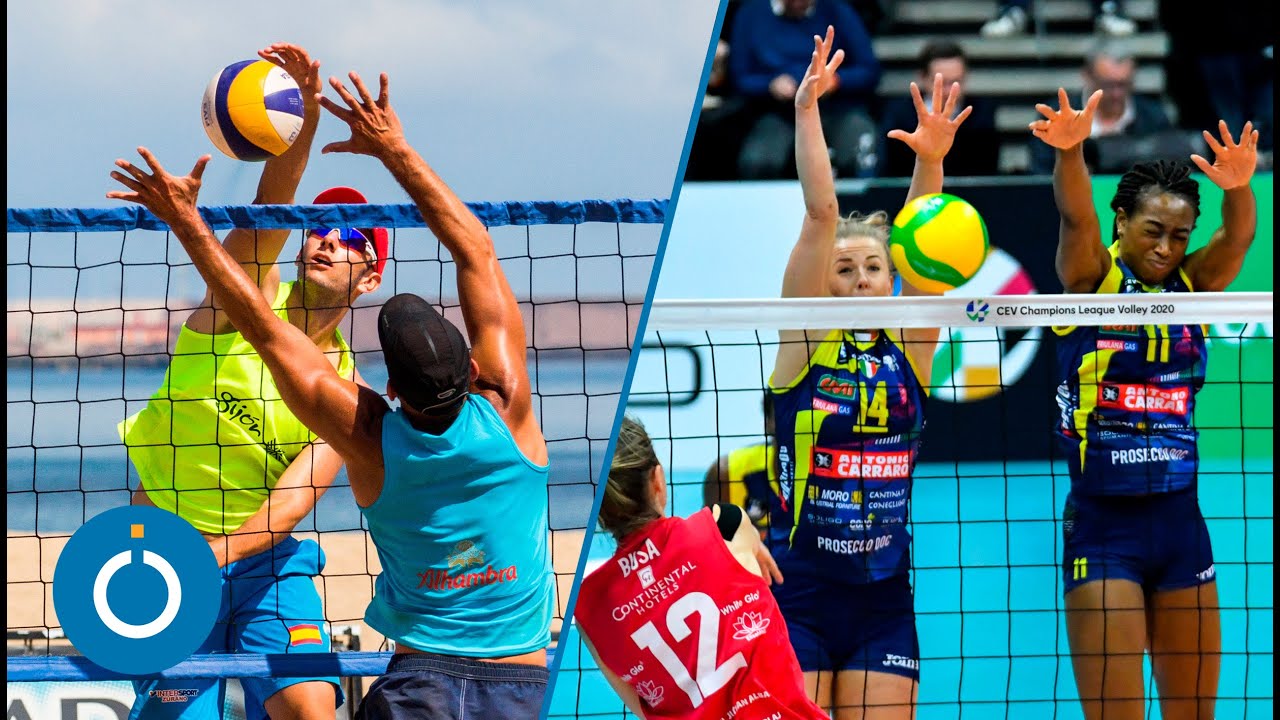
(507,99)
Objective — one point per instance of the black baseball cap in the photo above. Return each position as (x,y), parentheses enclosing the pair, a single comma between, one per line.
(428,361)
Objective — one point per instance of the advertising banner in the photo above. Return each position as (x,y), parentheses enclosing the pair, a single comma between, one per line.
(994,396)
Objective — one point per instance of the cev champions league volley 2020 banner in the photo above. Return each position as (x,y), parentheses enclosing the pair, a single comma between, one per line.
(994,388)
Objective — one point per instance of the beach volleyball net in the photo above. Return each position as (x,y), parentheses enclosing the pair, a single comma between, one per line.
(988,493)
(97,297)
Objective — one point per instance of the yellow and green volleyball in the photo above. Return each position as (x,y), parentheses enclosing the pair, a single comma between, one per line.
(252,110)
(938,242)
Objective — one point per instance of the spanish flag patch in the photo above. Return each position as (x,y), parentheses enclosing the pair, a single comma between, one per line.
(304,635)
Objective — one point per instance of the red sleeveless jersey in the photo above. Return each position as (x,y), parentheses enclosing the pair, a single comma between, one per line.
(698,636)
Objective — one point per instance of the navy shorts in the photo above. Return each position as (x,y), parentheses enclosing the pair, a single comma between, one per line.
(440,687)
(841,626)
(1158,541)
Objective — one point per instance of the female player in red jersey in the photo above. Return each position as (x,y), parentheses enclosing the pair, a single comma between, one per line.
(1138,565)
(680,620)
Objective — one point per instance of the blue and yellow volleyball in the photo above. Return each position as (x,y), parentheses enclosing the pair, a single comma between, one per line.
(252,110)
(938,242)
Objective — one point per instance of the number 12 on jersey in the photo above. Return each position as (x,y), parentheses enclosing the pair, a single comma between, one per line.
(709,677)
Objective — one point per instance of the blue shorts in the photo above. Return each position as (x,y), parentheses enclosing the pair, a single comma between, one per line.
(840,626)
(441,687)
(1158,541)
(269,605)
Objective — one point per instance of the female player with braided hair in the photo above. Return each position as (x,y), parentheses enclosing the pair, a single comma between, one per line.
(1137,564)
(680,620)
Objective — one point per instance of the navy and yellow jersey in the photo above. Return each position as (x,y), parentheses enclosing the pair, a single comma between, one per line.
(848,431)
(753,484)
(1127,395)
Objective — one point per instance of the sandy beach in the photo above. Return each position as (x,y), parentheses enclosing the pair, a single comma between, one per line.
(345,586)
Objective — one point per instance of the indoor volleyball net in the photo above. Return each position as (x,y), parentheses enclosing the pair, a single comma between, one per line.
(988,493)
(96,298)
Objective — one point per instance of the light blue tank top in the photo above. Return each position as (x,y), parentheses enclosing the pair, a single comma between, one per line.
(461,531)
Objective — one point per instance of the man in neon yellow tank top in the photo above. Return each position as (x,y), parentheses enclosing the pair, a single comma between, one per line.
(217,446)
(452,484)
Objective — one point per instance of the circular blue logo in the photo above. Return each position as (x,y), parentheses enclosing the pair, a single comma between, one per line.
(137,589)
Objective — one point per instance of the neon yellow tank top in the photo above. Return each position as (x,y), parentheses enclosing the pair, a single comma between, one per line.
(744,461)
(215,437)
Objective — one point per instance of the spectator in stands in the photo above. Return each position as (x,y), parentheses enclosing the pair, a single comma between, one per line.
(977,145)
(722,123)
(718,79)
(772,41)
(1127,126)
(1012,17)
(1223,76)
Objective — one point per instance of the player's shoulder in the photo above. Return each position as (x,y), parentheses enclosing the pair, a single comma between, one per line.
(663,540)
(738,459)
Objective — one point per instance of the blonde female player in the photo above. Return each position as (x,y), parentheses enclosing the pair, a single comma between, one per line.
(849,407)
(1137,563)
(680,620)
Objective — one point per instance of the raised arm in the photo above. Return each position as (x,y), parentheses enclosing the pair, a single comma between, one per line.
(1082,260)
(931,141)
(495,326)
(307,478)
(257,250)
(810,260)
(807,268)
(344,414)
(1216,265)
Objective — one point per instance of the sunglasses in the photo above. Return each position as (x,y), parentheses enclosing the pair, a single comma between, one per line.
(350,237)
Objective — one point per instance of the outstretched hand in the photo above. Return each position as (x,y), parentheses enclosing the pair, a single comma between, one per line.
(1065,128)
(1233,163)
(935,129)
(295,61)
(166,196)
(821,75)
(374,125)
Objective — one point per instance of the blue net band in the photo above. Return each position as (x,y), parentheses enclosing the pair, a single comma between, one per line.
(290,217)
(77,668)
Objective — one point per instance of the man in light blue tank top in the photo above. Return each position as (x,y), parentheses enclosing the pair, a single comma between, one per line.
(452,484)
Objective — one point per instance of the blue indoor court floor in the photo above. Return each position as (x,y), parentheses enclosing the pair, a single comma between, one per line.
(989,593)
